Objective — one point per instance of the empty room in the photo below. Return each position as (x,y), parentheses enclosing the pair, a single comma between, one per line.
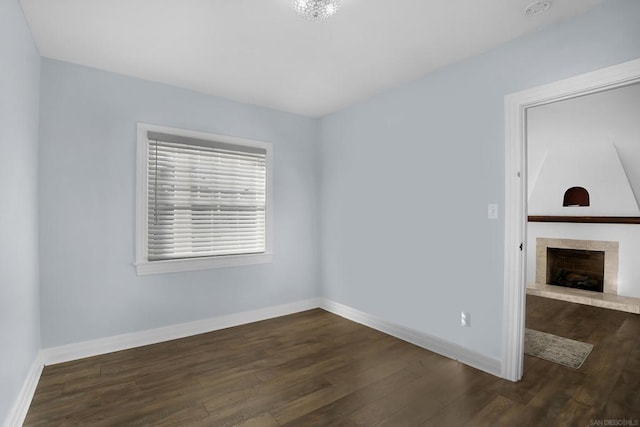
(319,212)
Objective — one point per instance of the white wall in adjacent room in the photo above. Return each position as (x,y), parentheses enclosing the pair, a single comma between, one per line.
(591,141)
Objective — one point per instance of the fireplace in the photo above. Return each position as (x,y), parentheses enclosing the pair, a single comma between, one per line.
(576,268)
(582,264)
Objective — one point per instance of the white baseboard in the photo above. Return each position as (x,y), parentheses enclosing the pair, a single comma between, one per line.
(19,409)
(431,343)
(66,353)
(99,346)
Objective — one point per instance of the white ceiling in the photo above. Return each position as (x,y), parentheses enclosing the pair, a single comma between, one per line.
(261,52)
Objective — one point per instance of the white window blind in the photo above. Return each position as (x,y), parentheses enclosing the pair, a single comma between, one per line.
(205,198)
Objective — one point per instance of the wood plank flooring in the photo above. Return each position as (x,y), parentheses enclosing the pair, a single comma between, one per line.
(317,369)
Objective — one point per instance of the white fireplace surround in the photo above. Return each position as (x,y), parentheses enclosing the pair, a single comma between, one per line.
(610,250)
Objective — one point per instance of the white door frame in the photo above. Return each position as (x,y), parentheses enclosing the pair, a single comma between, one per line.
(515,208)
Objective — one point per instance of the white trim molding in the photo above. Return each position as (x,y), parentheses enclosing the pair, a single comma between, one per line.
(21,405)
(66,353)
(69,352)
(428,342)
(142,264)
(516,106)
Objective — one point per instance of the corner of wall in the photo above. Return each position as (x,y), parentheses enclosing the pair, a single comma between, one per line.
(22,402)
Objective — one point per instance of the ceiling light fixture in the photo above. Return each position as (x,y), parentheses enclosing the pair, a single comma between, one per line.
(315,10)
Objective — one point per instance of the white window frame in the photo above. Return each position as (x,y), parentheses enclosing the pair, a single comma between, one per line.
(142,263)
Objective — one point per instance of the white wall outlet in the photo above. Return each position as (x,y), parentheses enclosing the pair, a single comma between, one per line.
(465,319)
(492,211)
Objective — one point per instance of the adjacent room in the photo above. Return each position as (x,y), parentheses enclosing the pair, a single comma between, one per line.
(319,212)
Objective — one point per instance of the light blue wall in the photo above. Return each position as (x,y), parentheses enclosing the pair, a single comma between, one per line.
(89,287)
(19,312)
(407,176)
(399,230)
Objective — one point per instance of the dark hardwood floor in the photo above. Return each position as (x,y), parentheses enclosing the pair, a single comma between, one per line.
(315,368)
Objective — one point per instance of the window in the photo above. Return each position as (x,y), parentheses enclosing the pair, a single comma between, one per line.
(203,200)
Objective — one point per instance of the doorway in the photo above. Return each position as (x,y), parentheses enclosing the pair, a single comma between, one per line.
(516,190)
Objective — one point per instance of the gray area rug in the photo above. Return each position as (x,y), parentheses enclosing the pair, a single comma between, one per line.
(556,349)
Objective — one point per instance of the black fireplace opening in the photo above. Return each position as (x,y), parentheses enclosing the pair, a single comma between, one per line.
(576,268)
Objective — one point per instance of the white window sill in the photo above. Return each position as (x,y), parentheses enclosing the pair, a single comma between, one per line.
(176,265)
